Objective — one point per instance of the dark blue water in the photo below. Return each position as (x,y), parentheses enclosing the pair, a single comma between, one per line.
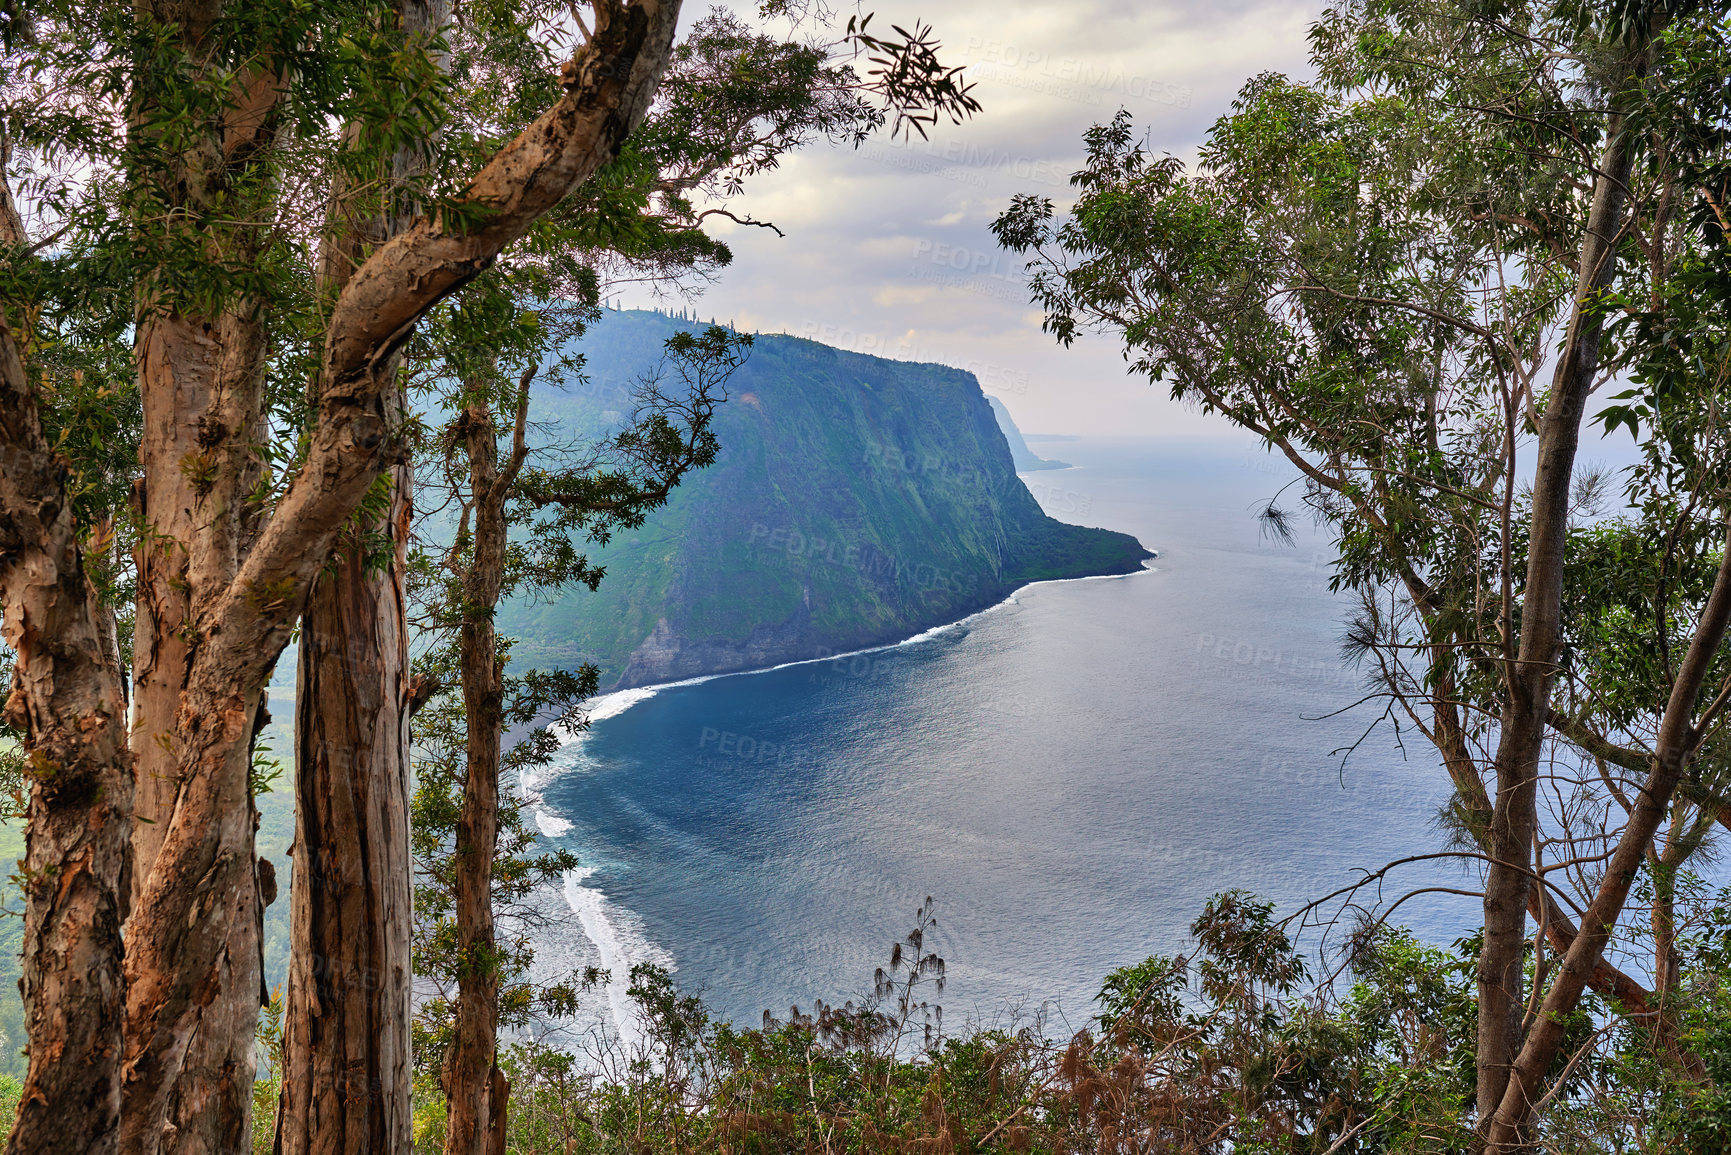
(1071,775)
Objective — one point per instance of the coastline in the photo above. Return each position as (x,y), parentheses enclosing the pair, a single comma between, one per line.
(611,930)
(615,702)
(1057,551)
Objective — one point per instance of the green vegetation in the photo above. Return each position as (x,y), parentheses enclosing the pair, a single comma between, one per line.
(1243,1044)
(856,501)
(1418,277)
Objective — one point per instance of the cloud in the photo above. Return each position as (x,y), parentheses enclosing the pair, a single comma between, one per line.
(888,246)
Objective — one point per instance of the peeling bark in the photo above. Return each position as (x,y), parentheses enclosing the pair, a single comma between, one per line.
(67,698)
(156,1054)
(202,889)
(346,1053)
(347,1057)
(200,371)
(200,382)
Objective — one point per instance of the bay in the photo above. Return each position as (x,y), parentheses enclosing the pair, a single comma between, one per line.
(1070,775)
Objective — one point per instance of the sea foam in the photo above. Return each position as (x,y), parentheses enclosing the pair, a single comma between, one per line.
(616,934)
(621,943)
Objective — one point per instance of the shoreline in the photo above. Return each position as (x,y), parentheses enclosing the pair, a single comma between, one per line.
(605,926)
(615,702)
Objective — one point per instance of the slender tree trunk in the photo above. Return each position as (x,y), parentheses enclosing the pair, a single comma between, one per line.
(1515,811)
(1663,1012)
(1677,742)
(194,942)
(1450,739)
(346,1054)
(1663,921)
(348,1063)
(201,383)
(1560,931)
(160,650)
(474,1087)
(67,697)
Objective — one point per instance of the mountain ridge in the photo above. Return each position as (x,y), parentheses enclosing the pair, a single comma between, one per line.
(856,501)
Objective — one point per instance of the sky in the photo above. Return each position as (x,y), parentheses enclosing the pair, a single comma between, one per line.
(888,248)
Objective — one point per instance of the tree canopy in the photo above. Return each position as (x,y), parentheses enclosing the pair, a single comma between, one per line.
(1417,278)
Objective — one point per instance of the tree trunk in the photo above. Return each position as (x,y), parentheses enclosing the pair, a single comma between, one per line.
(200,383)
(346,1054)
(194,943)
(474,1087)
(347,1059)
(1663,920)
(192,960)
(191,964)
(1476,807)
(67,698)
(498,1099)
(160,651)
(1677,742)
(1514,813)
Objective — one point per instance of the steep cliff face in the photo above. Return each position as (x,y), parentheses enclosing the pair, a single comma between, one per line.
(1025,459)
(856,501)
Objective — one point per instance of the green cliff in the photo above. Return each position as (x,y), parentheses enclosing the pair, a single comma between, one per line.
(1025,459)
(857,501)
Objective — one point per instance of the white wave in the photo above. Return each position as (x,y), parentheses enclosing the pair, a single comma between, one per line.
(612,705)
(531,779)
(551,824)
(604,706)
(620,942)
(1101,577)
(616,703)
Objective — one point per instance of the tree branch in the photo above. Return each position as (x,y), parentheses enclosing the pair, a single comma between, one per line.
(1677,743)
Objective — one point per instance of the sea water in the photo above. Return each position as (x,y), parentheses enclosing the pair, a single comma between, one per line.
(1070,775)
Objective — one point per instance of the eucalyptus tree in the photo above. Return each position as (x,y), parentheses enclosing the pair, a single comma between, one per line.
(198,101)
(520,510)
(1376,273)
(278,193)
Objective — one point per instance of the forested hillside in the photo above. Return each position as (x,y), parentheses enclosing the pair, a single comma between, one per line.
(855,501)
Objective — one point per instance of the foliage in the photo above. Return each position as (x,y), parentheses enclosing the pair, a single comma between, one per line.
(1695,1115)
(1374,272)
(1232,1047)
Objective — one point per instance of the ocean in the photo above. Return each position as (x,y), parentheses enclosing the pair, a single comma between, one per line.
(1070,775)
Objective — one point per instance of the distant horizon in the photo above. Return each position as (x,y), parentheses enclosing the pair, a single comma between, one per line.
(1594,438)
